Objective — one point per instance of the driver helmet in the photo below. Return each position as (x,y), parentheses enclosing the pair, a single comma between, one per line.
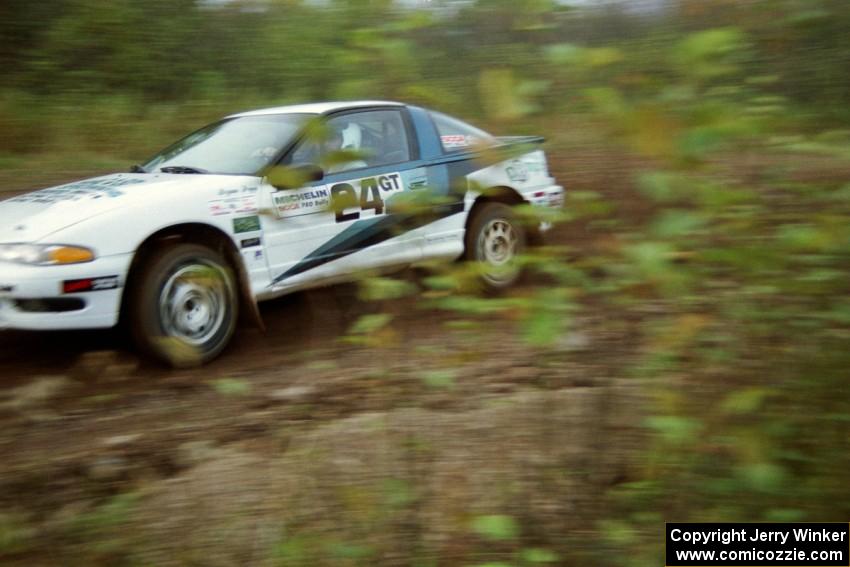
(351,134)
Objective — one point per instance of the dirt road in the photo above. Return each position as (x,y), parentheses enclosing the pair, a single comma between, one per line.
(299,435)
(102,451)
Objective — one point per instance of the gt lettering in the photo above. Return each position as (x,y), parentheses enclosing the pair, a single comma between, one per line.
(390,182)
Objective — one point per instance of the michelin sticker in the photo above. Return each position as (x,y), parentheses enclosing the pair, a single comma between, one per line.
(97,188)
(294,203)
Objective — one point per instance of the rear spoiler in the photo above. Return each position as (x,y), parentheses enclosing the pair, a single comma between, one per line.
(506,147)
(510,147)
(515,140)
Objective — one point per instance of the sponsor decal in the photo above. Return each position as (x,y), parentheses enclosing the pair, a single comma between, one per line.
(233,192)
(246,224)
(90,284)
(98,188)
(375,229)
(351,199)
(517,172)
(250,242)
(536,167)
(294,203)
(258,255)
(456,141)
(240,204)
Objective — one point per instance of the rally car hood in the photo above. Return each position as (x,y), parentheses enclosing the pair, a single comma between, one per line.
(33,216)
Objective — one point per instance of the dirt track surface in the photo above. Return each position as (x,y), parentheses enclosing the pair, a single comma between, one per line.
(107,459)
(296,439)
(296,415)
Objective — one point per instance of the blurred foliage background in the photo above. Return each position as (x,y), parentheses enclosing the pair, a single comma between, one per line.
(119,79)
(705,146)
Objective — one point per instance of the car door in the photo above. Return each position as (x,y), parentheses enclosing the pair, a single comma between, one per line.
(347,221)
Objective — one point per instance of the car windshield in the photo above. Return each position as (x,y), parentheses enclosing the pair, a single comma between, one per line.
(235,146)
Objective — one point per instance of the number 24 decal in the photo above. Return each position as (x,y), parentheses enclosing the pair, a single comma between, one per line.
(344,196)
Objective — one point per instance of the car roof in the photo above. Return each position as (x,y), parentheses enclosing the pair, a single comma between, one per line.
(316,107)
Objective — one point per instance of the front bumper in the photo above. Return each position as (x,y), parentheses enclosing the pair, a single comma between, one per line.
(33,297)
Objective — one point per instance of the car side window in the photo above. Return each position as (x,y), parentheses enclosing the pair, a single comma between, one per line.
(356,140)
(456,135)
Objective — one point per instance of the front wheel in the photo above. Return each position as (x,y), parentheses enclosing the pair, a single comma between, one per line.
(494,240)
(184,307)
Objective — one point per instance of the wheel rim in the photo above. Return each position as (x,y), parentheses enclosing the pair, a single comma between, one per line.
(194,301)
(497,248)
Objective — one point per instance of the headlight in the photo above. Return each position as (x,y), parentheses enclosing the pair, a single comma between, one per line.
(44,254)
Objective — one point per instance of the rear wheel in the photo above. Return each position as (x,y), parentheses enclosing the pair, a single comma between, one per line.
(494,240)
(184,306)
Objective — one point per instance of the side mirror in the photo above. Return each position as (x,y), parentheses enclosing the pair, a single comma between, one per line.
(283,177)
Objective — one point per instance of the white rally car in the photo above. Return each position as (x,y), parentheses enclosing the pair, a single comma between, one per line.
(261,204)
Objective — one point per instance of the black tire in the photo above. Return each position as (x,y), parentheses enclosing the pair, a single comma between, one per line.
(494,240)
(183,306)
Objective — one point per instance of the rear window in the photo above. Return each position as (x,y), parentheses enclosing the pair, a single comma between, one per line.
(458,136)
